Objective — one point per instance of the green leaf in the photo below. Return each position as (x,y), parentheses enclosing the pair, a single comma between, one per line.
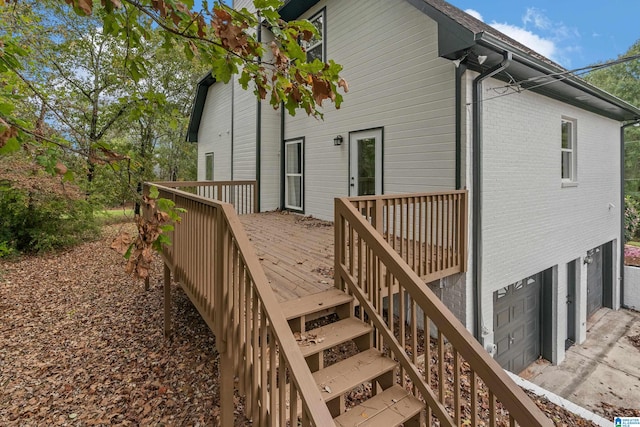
(162,239)
(222,69)
(165,205)
(244,79)
(270,15)
(188,53)
(11,146)
(153,192)
(264,4)
(6,108)
(127,254)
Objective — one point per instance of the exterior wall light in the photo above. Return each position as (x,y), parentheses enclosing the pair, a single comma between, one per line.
(589,258)
(338,140)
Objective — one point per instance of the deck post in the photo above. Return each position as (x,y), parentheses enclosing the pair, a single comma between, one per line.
(227,405)
(256,207)
(338,241)
(167,301)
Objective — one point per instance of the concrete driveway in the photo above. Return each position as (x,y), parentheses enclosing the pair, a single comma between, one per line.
(605,368)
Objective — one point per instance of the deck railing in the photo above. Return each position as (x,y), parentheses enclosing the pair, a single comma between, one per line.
(428,230)
(460,383)
(212,259)
(243,195)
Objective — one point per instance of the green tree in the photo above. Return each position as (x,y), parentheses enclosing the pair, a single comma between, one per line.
(623,81)
(71,84)
(225,39)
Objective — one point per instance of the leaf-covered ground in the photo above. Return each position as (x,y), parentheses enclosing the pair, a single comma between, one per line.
(82,344)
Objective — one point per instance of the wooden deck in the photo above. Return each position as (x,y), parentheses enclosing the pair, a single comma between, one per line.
(295,251)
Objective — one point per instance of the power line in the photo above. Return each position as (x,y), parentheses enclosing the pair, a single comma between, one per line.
(514,87)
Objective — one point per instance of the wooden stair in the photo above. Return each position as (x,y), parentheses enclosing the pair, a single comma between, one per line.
(389,404)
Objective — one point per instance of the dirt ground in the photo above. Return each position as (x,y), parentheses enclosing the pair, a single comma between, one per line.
(82,344)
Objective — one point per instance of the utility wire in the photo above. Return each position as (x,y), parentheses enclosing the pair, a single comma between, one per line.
(516,87)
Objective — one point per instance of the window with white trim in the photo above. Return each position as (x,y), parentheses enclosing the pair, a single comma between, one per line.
(315,47)
(568,151)
(208,167)
(294,174)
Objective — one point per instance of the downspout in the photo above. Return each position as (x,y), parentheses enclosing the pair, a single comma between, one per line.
(622,208)
(258,133)
(460,70)
(282,165)
(477,189)
(233,102)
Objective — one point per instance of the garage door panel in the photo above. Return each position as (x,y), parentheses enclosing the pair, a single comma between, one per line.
(518,308)
(517,336)
(532,302)
(503,317)
(502,345)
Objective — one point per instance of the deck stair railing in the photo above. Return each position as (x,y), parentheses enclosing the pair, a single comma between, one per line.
(440,362)
(216,265)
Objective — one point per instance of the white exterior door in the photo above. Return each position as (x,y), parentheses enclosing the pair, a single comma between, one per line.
(294,174)
(365,166)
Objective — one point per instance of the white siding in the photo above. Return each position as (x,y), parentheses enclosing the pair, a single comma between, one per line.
(270,169)
(530,222)
(244,133)
(396,80)
(214,134)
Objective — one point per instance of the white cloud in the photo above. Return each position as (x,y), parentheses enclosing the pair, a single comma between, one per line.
(538,32)
(537,18)
(543,46)
(475,14)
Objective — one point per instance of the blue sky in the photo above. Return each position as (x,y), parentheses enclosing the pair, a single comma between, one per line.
(571,32)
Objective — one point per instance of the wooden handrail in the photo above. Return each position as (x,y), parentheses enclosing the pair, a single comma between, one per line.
(217,267)
(428,230)
(243,195)
(367,265)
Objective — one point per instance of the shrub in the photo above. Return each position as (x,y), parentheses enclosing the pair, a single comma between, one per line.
(37,213)
(631,218)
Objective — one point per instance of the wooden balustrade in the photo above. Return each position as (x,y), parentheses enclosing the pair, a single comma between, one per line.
(451,372)
(212,259)
(428,230)
(384,252)
(243,195)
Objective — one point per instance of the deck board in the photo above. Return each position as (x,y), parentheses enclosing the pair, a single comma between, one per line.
(296,252)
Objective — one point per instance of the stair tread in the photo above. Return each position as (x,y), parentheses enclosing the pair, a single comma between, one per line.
(311,303)
(343,376)
(332,334)
(392,407)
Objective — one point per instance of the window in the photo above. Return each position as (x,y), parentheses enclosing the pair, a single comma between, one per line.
(315,46)
(569,172)
(294,174)
(208,167)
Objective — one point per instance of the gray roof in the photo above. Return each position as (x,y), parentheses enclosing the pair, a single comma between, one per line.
(459,35)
